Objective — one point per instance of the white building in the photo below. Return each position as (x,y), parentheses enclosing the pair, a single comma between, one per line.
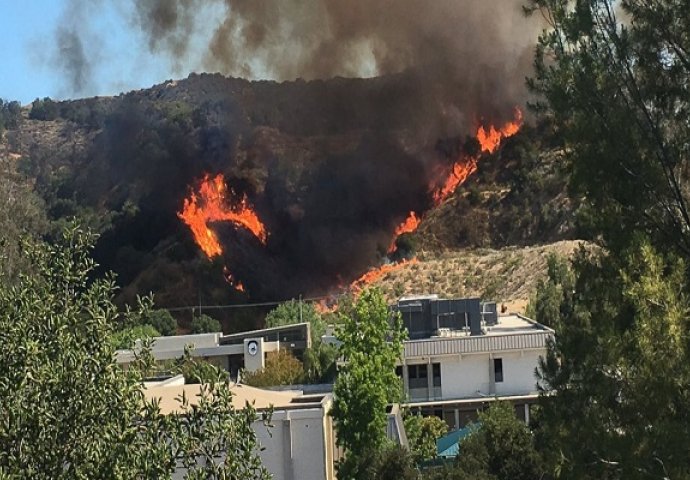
(299,445)
(245,350)
(462,355)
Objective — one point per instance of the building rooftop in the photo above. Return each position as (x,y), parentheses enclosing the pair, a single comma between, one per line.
(511,332)
(169,395)
(507,324)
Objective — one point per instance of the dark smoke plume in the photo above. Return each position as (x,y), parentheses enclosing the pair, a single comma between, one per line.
(481,48)
(71,54)
(477,53)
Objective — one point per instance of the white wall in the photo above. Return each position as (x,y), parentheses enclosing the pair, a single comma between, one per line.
(518,372)
(296,446)
(462,376)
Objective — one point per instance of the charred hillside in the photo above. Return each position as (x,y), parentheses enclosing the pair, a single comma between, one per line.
(330,167)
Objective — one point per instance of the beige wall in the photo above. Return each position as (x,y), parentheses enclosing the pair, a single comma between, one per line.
(299,445)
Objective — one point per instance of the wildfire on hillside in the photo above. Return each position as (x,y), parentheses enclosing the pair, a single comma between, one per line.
(212,203)
(376,274)
(489,139)
(409,225)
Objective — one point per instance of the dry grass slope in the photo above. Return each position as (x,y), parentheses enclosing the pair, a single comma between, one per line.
(509,275)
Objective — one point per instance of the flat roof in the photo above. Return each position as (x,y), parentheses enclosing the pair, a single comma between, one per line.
(300,327)
(512,332)
(241,395)
(514,323)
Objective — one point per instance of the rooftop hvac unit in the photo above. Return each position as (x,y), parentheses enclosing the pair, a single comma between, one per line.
(490,313)
(443,332)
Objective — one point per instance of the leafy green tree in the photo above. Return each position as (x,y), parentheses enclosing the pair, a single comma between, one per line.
(612,78)
(70,412)
(553,293)
(205,324)
(197,370)
(163,321)
(371,345)
(46,109)
(502,447)
(319,359)
(619,370)
(296,311)
(126,338)
(10,115)
(320,363)
(422,433)
(282,368)
(391,462)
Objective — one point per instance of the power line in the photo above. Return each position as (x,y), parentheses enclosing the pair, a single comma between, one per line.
(246,305)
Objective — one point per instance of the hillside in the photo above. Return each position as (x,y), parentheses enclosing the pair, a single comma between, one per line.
(330,167)
(509,275)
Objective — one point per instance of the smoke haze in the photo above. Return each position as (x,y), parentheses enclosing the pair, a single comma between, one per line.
(474,50)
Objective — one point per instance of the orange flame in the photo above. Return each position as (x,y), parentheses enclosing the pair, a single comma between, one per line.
(489,140)
(210,205)
(326,306)
(376,274)
(230,278)
(462,169)
(409,225)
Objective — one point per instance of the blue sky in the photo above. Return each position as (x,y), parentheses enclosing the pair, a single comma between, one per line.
(29,56)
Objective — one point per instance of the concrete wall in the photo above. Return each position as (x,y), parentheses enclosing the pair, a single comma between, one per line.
(518,372)
(299,445)
(462,377)
(466,376)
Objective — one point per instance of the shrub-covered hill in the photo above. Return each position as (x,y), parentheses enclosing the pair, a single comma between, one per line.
(331,167)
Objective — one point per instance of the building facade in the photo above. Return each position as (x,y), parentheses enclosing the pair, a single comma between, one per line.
(234,352)
(462,355)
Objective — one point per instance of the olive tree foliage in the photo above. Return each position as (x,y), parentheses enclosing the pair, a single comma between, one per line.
(70,412)
(501,447)
(371,337)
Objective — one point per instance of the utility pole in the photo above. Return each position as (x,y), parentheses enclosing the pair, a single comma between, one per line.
(300,308)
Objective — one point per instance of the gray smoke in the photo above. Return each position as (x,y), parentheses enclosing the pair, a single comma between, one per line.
(482,48)
(76,49)
(478,51)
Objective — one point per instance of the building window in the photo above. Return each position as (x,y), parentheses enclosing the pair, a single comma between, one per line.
(436,371)
(417,376)
(498,370)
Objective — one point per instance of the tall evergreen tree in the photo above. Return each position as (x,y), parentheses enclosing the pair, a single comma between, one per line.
(612,79)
